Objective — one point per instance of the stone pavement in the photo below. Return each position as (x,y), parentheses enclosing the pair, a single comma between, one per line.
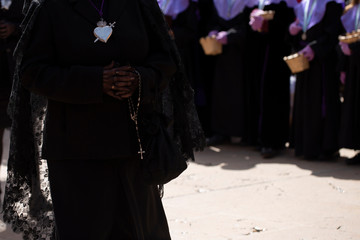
(230,193)
(236,195)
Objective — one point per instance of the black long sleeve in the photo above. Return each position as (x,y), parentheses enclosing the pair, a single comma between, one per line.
(42,74)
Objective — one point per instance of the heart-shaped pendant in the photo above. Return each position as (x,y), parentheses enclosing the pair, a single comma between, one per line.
(103,33)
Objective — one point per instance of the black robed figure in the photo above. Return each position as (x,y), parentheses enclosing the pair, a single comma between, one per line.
(206,67)
(268,76)
(79,86)
(350,117)
(229,25)
(317,104)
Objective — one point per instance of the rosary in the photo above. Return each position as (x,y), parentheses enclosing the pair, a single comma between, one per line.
(103,31)
(134,113)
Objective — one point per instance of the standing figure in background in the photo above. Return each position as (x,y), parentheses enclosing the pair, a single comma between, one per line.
(10,19)
(270,42)
(350,121)
(189,21)
(206,71)
(255,54)
(317,104)
(230,24)
(181,16)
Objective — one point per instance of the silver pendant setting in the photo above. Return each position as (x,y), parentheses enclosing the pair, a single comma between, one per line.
(303,36)
(103,31)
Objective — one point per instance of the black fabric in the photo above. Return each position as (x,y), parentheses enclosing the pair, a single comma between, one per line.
(269,80)
(27,203)
(81,121)
(177,100)
(162,159)
(317,104)
(228,101)
(107,201)
(185,28)
(7,61)
(350,121)
(206,63)
(255,57)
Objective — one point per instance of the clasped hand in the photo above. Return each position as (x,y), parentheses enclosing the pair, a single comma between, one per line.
(120,82)
(6,29)
(295,27)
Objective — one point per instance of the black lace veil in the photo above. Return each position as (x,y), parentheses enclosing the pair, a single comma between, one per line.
(27,203)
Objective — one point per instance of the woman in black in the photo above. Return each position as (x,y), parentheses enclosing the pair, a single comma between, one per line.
(206,67)
(229,26)
(268,44)
(317,103)
(350,121)
(92,69)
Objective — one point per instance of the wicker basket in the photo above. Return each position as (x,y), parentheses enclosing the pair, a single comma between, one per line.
(297,62)
(268,15)
(350,37)
(211,46)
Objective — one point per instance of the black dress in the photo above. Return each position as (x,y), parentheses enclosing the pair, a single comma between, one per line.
(89,141)
(7,63)
(206,71)
(350,120)
(228,96)
(317,103)
(269,75)
(255,57)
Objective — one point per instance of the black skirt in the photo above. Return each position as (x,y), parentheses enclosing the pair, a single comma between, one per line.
(105,200)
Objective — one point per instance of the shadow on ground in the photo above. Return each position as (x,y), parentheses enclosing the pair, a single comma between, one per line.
(238,157)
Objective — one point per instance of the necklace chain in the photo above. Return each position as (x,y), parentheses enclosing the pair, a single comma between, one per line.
(230,4)
(261,4)
(357,22)
(134,113)
(100,11)
(164,5)
(309,10)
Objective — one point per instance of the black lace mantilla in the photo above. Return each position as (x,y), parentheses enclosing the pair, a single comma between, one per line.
(27,204)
